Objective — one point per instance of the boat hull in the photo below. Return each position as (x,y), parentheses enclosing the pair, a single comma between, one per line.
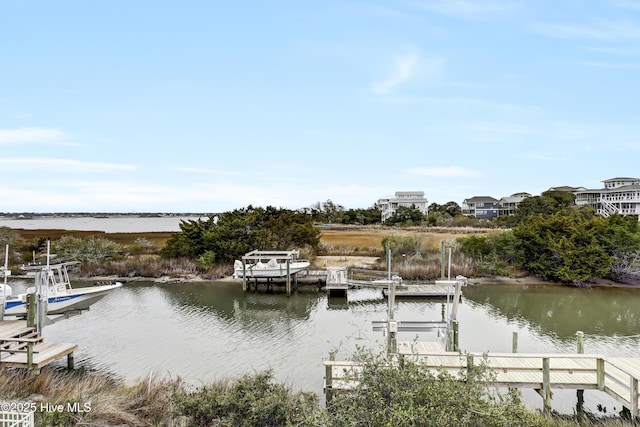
(269,272)
(73,300)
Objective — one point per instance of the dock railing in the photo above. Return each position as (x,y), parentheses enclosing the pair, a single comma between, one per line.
(618,377)
(16,419)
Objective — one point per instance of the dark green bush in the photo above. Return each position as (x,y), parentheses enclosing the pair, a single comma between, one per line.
(252,400)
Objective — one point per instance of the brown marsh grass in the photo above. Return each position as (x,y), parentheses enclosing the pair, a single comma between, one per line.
(147,402)
(423,265)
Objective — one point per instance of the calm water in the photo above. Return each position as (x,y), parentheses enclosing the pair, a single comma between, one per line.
(206,331)
(130,224)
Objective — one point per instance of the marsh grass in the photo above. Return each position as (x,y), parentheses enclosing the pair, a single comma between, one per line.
(103,400)
(152,266)
(388,396)
(421,260)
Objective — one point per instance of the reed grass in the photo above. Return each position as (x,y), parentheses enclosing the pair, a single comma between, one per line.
(147,402)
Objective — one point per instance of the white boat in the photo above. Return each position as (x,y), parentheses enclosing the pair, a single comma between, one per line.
(270,269)
(53,286)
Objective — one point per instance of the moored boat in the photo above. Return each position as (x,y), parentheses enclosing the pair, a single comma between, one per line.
(270,269)
(52,284)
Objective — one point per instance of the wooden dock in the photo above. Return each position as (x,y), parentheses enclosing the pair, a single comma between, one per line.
(616,376)
(422,291)
(22,347)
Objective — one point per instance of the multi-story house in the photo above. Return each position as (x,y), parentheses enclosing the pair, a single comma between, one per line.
(619,195)
(388,205)
(508,205)
(481,207)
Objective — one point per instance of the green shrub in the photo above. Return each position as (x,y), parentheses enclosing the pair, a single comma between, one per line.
(400,392)
(252,400)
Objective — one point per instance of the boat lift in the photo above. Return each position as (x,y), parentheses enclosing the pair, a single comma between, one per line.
(257,255)
(390,326)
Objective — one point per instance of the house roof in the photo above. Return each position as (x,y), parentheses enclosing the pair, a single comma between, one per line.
(480,199)
(622,179)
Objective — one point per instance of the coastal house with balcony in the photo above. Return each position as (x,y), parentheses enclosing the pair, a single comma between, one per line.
(619,195)
(508,205)
(487,207)
(481,207)
(388,205)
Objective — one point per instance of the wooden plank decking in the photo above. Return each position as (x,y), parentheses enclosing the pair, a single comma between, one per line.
(617,377)
(22,347)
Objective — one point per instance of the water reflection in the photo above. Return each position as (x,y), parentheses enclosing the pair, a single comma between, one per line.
(207,331)
(560,311)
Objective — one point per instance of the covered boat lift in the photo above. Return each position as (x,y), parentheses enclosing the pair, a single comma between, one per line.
(256,255)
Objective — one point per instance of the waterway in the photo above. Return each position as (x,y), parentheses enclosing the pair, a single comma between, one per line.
(115,224)
(211,330)
(206,331)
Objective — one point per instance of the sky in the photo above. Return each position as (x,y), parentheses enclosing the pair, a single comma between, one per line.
(210,106)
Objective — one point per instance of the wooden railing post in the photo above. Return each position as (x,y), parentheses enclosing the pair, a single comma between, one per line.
(546,384)
(600,373)
(288,279)
(456,328)
(580,342)
(31,310)
(633,397)
(328,383)
(29,355)
(514,342)
(580,392)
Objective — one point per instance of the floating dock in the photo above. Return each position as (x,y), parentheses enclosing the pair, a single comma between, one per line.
(22,347)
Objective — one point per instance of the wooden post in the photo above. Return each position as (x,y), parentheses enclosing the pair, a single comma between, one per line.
(29,355)
(469,363)
(514,342)
(288,279)
(31,310)
(392,326)
(70,362)
(328,380)
(600,373)
(546,384)
(633,397)
(244,276)
(580,342)
(579,392)
(442,260)
(456,327)
(456,300)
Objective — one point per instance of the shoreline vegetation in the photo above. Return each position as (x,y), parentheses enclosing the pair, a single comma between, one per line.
(256,399)
(341,245)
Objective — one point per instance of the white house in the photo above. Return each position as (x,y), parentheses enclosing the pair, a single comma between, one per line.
(388,205)
(619,195)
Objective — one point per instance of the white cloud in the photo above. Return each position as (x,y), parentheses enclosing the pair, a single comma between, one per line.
(603,30)
(470,9)
(404,68)
(614,65)
(32,136)
(410,67)
(450,171)
(52,165)
(622,51)
(627,4)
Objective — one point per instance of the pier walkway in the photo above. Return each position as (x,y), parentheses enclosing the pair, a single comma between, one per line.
(616,376)
(22,347)
(340,279)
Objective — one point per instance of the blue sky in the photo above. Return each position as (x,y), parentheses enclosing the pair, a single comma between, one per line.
(208,106)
